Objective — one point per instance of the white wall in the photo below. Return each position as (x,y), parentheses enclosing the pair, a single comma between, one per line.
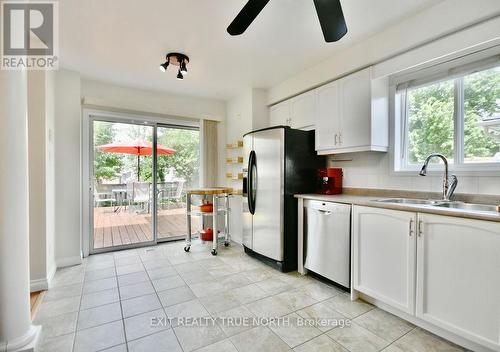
(244,113)
(443,18)
(67,153)
(41,229)
(125,98)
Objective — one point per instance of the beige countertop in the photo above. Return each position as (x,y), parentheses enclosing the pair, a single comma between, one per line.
(370,201)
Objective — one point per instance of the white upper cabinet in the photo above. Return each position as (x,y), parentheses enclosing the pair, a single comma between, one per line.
(458,281)
(384,255)
(348,115)
(303,111)
(353,115)
(279,114)
(298,112)
(327,98)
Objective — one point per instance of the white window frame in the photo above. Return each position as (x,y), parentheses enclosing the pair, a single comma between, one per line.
(456,69)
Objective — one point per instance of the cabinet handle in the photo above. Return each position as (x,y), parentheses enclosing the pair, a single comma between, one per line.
(411,227)
(336,136)
(420,226)
(340,138)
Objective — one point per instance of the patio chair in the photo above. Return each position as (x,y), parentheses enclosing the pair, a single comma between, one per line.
(139,193)
(172,192)
(103,197)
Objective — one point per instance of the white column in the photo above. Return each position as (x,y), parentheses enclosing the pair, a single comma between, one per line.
(16,331)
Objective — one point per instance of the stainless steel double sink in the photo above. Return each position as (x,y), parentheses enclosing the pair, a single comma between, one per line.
(480,208)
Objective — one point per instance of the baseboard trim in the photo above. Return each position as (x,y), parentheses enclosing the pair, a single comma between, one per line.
(68,261)
(39,285)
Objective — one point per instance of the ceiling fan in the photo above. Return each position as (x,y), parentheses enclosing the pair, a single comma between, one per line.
(329,13)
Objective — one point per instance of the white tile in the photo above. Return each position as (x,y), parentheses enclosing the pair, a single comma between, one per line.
(249,293)
(320,344)
(99,315)
(100,274)
(99,285)
(129,269)
(99,337)
(273,285)
(350,309)
(384,324)
(136,290)
(259,339)
(145,324)
(58,325)
(320,291)
(357,339)
(168,283)
(176,295)
(63,343)
(159,273)
(119,348)
(292,330)
(134,278)
(420,340)
(324,315)
(194,337)
(141,304)
(189,309)
(96,266)
(235,320)
(63,292)
(296,299)
(157,263)
(127,260)
(206,288)
(221,346)
(58,307)
(99,298)
(269,307)
(162,341)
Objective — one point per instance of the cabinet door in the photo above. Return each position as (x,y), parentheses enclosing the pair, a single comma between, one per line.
(303,111)
(458,280)
(355,110)
(327,116)
(384,255)
(279,114)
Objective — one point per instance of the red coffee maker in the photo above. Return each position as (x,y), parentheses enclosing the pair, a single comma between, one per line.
(329,180)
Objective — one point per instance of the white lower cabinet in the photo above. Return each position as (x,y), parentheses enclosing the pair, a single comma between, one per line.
(443,270)
(458,277)
(384,255)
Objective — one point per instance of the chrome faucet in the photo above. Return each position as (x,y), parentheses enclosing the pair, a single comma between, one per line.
(449,182)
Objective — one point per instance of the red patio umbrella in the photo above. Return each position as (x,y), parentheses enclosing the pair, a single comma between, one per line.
(138,147)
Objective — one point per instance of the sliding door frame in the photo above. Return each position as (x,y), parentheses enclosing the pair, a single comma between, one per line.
(87,167)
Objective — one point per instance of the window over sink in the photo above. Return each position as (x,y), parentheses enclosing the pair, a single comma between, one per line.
(453,111)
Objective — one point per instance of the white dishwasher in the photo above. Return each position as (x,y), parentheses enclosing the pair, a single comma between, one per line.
(327,230)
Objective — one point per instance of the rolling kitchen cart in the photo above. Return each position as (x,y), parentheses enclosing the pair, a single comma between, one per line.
(220,201)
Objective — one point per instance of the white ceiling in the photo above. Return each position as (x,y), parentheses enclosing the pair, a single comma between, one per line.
(124,41)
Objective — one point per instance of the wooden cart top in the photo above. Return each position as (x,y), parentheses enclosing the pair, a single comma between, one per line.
(210,191)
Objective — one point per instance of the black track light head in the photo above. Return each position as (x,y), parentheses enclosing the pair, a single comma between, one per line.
(163,67)
(180,77)
(183,67)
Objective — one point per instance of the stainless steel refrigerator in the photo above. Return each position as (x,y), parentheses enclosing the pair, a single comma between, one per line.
(280,162)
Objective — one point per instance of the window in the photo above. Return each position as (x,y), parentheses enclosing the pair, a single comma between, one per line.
(456,114)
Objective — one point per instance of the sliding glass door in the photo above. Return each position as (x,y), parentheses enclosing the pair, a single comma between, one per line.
(137,191)
(176,172)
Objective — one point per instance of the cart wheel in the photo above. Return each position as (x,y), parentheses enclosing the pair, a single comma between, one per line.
(214,252)
(186,249)
(226,244)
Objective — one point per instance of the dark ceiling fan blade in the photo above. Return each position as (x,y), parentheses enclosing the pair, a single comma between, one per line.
(246,16)
(331,19)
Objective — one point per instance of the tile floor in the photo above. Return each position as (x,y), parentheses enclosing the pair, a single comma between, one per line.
(122,301)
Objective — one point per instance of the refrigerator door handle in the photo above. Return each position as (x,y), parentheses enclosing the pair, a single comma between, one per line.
(251,182)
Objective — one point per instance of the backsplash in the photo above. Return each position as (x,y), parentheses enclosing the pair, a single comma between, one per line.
(374,170)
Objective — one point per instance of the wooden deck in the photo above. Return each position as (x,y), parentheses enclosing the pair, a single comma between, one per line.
(125,227)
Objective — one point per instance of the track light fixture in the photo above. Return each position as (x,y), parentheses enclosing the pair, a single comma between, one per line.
(176,59)
(180,77)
